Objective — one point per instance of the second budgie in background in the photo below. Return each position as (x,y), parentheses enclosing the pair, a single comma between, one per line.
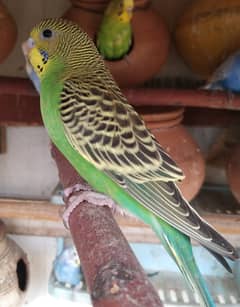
(66,266)
(114,38)
(227,75)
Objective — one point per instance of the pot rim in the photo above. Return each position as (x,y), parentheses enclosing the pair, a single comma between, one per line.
(166,114)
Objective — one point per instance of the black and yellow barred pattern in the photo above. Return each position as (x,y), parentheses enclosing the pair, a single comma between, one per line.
(109,133)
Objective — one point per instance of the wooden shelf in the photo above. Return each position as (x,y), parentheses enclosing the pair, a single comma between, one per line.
(42,218)
(19,104)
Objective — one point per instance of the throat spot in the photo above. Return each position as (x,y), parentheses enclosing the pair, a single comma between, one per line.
(40,68)
(44,60)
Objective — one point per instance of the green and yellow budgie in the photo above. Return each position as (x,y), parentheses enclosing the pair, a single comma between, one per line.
(114,38)
(106,141)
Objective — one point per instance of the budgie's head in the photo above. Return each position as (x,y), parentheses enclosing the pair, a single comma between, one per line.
(120,10)
(59,46)
(69,257)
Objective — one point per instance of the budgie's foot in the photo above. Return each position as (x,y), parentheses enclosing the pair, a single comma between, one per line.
(75,188)
(79,193)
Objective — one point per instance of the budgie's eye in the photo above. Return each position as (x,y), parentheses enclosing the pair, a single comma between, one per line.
(47,33)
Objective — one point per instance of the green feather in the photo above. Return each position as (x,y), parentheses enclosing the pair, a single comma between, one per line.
(114,40)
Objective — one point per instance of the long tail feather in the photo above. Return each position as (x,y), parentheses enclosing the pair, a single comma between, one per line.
(221,260)
(179,247)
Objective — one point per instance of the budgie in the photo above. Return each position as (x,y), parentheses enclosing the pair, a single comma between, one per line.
(114,37)
(227,75)
(67,268)
(102,136)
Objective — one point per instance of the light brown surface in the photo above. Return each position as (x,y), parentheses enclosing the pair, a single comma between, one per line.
(41,218)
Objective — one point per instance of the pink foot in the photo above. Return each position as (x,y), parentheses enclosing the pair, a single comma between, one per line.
(75,188)
(84,193)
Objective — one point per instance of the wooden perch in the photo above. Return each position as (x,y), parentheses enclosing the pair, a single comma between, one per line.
(41,218)
(113,274)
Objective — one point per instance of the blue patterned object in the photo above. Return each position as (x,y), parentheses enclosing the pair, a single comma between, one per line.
(227,76)
(67,268)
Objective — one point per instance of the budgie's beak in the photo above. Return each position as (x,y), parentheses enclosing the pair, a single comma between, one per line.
(130,11)
(27,46)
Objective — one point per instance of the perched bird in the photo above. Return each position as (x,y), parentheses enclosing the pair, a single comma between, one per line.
(67,268)
(227,75)
(114,38)
(106,141)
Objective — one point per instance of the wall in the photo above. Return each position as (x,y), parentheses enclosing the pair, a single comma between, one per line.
(27,170)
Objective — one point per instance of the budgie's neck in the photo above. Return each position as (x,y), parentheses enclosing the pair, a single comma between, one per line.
(61,71)
(55,70)
(87,73)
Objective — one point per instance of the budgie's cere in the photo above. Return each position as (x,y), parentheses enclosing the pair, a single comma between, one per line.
(114,37)
(106,141)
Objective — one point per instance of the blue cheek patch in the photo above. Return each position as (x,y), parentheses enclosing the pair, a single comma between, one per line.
(44,55)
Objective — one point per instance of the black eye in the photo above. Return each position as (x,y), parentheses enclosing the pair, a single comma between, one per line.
(47,33)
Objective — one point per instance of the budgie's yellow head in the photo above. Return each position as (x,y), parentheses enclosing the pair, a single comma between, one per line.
(59,46)
(120,10)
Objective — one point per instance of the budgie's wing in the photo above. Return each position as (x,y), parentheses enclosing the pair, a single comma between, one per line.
(107,131)
(165,200)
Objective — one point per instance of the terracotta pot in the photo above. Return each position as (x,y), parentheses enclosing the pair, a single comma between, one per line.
(207,33)
(14,271)
(8,32)
(233,172)
(150,37)
(101,4)
(96,5)
(176,140)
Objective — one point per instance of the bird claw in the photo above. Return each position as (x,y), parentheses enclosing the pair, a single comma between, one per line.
(75,195)
(75,188)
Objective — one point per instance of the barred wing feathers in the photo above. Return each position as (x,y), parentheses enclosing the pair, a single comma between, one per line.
(106,131)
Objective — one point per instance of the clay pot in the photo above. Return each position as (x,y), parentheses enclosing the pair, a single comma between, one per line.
(179,144)
(150,39)
(14,271)
(207,33)
(233,172)
(8,32)
(98,5)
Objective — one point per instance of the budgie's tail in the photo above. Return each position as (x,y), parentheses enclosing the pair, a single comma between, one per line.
(179,247)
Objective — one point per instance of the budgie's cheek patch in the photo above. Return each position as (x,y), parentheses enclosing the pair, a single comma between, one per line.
(38,60)
(44,55)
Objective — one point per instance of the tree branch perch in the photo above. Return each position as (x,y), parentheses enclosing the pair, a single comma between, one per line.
(113,274)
